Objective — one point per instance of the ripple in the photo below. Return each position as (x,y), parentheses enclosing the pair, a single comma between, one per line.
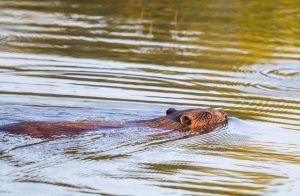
(284,73)
(250,91)
(123,60)
(281,77)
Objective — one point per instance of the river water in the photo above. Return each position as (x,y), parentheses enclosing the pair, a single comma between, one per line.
(133,59)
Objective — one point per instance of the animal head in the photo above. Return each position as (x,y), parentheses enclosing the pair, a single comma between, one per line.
(196,120)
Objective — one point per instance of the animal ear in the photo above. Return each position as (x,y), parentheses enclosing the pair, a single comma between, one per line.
(170,111)
(185,120)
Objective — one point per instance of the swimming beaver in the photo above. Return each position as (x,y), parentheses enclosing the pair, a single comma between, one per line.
(195,120)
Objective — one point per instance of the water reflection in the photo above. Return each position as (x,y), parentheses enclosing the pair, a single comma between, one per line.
(132,59)
(193,32)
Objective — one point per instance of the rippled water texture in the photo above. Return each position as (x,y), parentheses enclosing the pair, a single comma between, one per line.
(133,59)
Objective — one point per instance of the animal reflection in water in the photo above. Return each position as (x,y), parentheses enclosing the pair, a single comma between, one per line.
(194,120)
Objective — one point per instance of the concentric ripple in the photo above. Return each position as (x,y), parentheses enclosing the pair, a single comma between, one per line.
(281,77)
(285,73)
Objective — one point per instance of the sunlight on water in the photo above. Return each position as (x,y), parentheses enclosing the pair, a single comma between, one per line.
(133,59)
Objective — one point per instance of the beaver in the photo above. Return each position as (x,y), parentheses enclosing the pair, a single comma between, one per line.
(195,120)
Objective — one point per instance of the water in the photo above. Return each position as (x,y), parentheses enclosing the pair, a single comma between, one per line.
(133,59)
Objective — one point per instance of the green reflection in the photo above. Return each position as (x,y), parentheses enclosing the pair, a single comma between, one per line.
(206,34)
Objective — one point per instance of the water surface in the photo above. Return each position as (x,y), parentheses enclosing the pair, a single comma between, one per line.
(133,59)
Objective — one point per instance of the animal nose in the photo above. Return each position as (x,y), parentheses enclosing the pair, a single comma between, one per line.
(225,116)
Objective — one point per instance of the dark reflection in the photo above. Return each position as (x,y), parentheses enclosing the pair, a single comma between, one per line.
(197,33)
(199,183)
(196,177)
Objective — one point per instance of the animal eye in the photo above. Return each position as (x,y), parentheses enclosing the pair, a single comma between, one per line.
(170,111)
(185,120)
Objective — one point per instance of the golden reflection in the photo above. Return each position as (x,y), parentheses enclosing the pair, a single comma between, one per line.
(182,33)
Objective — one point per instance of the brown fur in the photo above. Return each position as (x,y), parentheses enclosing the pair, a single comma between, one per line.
(196,120)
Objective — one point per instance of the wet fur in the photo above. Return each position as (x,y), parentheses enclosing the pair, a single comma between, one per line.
(196,120)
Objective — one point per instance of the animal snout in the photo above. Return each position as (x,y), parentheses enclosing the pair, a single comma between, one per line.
(221,115)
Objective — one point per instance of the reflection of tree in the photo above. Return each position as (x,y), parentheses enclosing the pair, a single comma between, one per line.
(181,33)
(237,32)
